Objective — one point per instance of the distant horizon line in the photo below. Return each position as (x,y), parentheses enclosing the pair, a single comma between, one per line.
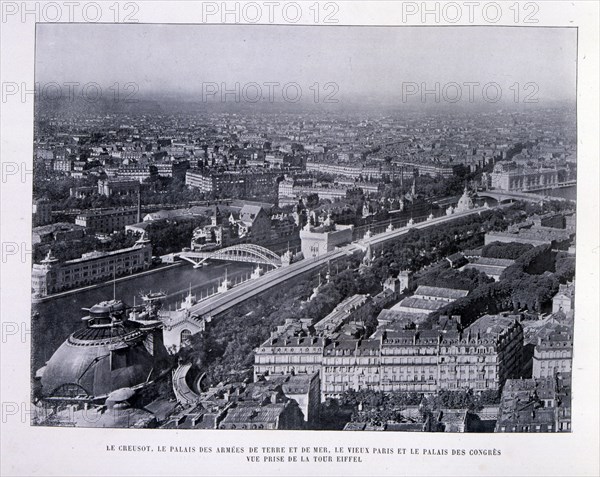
(176,96)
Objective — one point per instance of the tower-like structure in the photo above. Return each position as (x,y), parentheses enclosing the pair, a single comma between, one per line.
(215,218)
(465,202)
(404,278)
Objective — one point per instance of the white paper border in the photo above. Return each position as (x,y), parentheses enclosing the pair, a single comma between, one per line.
(29,450)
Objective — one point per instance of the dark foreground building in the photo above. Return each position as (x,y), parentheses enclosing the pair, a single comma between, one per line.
(111,352)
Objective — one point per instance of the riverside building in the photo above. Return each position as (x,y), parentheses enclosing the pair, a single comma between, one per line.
(51,276)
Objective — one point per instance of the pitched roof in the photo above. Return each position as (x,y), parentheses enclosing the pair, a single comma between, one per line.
(440,292)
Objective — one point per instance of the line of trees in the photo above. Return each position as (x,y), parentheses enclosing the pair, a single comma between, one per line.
(421,248)
(228,344)
(461,399)
(378,407)
(510,251)
(67,250)
(535,261)
(447,277)
(530,283)
(164,190)
(169,236)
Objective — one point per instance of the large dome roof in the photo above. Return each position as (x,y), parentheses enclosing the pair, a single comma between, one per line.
(94,371)
(93,362)
(98,335)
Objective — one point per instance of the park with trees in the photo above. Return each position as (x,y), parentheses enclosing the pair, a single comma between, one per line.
(228,343)
(225,351)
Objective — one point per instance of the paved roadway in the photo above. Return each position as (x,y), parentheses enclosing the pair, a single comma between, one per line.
(222,302)
(385,236)
(501,195)
(183,393)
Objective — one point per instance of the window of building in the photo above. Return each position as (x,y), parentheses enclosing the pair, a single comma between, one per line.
(185,335)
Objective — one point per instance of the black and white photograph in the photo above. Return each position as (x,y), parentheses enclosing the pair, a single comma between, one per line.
(264,227)
(271,225)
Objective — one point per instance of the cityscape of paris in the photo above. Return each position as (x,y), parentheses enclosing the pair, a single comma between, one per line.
(304,228)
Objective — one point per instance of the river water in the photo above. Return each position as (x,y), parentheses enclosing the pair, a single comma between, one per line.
(57,318)
(569,193)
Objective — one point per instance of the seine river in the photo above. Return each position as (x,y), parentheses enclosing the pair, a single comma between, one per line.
(569,193)
(59,317)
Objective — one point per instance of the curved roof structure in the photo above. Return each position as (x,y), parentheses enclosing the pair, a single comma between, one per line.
(465,202)
(108,354)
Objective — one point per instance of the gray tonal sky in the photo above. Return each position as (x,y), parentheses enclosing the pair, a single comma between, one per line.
(364,61)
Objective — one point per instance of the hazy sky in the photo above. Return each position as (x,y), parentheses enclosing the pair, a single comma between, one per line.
(363,61)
